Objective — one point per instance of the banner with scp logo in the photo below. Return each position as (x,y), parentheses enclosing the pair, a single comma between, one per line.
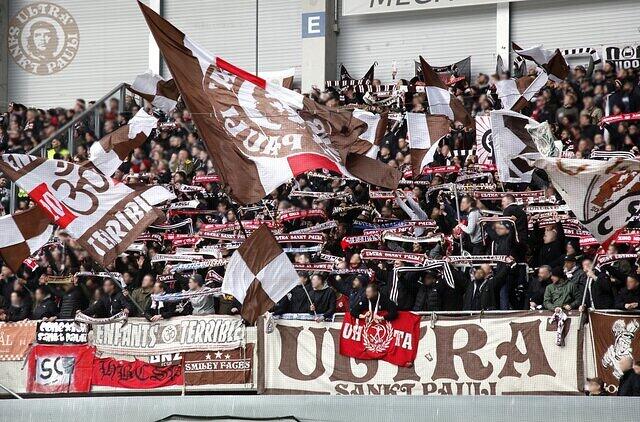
(60,369)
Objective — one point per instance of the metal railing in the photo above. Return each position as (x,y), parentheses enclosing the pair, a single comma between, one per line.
(66,134)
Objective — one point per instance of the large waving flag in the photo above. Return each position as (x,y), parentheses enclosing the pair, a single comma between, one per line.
(440,99)
(258,134)
(26,232)
(424,134)
(259,274)
(103,215)
(553,62)
(604,195)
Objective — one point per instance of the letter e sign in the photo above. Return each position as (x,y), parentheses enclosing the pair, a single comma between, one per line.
(313,24)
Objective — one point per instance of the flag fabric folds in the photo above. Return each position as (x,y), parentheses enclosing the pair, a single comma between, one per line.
(161,93)
(23,233)
(424,132)
(604,195)
(260,135)
(27,231)
(515,94)
(551,61)
(510,140)
(259,274)
(109,152)
(440,99)
(283,78)
(105,216)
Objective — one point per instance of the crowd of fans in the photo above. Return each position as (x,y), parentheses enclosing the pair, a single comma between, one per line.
(545,270)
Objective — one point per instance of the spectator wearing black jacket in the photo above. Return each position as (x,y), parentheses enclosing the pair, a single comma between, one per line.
(511,209)
(629,384)
(18,310)
(599,287)
(158,310)
(629,297)
(481,291)
(110,303)
(71,300)
(538,286)
(428,297)
(323,298)
(45,307)
(551,252)
(374,305)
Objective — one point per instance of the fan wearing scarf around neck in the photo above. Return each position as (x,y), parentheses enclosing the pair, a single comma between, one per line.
(374,305)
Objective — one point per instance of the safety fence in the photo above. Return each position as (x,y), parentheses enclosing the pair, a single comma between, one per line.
(458,353)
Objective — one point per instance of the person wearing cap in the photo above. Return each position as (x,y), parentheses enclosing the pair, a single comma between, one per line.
(595,387)
(574,273)
(561,294)
(202,304)
(628,299)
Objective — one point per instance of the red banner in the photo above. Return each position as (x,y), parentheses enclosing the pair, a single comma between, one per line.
(60,369)
(394,341)
(135,374)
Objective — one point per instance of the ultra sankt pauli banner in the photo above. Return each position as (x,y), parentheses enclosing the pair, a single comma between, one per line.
(507,354)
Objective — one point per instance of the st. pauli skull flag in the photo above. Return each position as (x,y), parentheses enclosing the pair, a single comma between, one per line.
(260,135)
(440,99)
(394,341)
(603,195)
(259,274)
(104,216)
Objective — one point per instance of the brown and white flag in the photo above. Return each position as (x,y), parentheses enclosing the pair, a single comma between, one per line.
(103,215)
(259,274)
(23,233)
(161,93)
(604,195)
(440,99)
(424,133)
(552,62)
(515,94)
(258,134)
(109,152)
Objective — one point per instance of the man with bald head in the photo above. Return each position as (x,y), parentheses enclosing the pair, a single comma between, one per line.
(629,381)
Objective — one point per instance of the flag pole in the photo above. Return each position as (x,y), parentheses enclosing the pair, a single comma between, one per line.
(234,208)
(309,297)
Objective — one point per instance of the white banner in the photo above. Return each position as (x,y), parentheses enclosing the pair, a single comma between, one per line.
(509,354)
(364,7)
(139,337)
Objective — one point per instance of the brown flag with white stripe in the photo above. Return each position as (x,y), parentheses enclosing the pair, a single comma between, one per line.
(440,99)
(515,94)
(23,233)
(552,62)
(259,274)
(424,133)
(258,134)
(159,92)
